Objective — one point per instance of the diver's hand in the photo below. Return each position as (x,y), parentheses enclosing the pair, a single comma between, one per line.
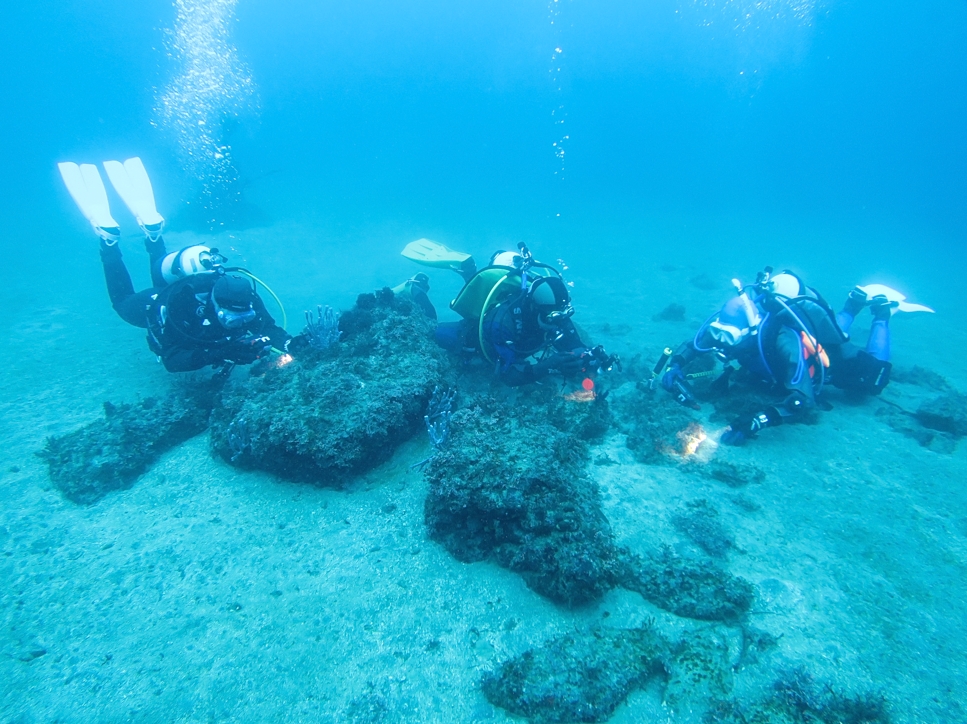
(598,360)
(675,382)
(745,428)
(297,345)
(246,350)
(564,364)
(672,375)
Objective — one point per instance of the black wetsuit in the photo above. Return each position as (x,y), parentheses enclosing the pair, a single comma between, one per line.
(512,334)
(183,329)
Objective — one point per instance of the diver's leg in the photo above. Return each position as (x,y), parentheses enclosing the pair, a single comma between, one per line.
(854,305)
(156,253)
(129,304)
(878,344)
(467,269)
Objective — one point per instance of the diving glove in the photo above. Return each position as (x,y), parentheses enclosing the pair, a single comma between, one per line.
(567,365)
(675,382)
(744,428)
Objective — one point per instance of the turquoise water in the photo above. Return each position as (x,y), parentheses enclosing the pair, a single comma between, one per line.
(643,144)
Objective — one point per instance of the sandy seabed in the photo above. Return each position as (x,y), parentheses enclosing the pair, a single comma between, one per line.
(207,594)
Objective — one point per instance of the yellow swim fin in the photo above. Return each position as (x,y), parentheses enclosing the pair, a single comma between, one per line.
(430,253)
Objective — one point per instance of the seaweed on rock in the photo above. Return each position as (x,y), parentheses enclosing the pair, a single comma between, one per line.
(580,677)
(112,452)
(513,487)
(947,413)
(653,422)
(339,411)
(796,698)
(693,588)
(700,523)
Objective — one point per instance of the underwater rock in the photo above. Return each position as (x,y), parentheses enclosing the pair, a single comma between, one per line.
(693,588)
(672,313)
(796,698)
(700,671)
(700,523)
(334,413)
(704,282)
(906,424)
(580,677)
(113,452)
(653,423)
(947,413)
(921,377)
(732,474)
(512,487)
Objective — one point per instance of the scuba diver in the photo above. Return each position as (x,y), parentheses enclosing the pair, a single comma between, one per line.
(516,315)
(198,311)
(785,333)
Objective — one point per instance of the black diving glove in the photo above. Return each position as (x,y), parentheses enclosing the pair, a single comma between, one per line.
(744,428)
(567,365)
(246,350)
(297,345)
(675,382)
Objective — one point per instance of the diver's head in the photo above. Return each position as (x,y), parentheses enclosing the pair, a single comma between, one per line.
(731,325)
(190,260)
(233,299)
(549,298)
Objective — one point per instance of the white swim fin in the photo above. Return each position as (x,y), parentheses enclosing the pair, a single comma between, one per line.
(131,182)
(875,290)
(432,253)
(86,188)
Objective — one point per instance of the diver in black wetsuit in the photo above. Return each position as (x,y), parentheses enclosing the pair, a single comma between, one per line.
(198,312)
(785,333)
(516,316)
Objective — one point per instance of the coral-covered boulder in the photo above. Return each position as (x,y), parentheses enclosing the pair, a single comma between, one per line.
(513,488)
(579,677)
(112,452)
(336,412)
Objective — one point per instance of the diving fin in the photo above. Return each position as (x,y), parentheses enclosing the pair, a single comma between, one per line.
(877,290)
(87,189)
(430,253)
(131,182)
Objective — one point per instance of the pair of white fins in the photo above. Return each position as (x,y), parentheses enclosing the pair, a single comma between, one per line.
(131,182)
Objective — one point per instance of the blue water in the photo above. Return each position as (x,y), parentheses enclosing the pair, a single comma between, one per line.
(712,135)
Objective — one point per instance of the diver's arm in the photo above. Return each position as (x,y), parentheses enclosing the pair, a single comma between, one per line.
(797,403)
(569,339)
(674,380)
(268,328)
(182,359)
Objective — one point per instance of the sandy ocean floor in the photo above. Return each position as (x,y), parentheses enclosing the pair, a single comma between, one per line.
(205,594)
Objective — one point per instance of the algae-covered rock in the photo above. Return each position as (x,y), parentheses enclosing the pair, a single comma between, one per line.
(700,522)
(947,413)
(580,677)
(700,670)
(513,487)
(111,453)
(337,412)
(796,698)
(732,474)
(694,588)
(654,424)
